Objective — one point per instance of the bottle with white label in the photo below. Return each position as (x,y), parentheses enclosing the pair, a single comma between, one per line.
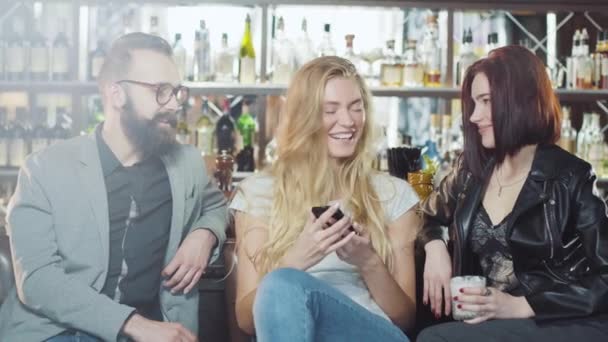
(202,54)
(224,62)
(179,55)
(96,59)
(16,51)
(60,66)
(17,135)
(39,55)
(40,132)
(4,138)
(247,73)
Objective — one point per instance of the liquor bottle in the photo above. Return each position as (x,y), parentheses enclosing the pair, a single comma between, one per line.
(224,62)
(584,64)
(204,130)
(202,54)
(2,57)
(247,73)
(40,134)
(305,51)
(60,66)
(571,62)
(179,55)
(492,42)
(567,139)
(154,27)
(391,69)
(604,62)
(283,56)
(431,53)
(595,143)
(246,126)
(17,135)
(96,59)
(413,72)
(4,138)
(327,46)
(16,52)
(224,165)
(467,56)
(225,131)
(39,55)
(127,22)
(183,132)
(581,139)
(62,127)
(349,53)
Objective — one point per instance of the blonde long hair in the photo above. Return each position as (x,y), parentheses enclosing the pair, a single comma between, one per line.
(302,174)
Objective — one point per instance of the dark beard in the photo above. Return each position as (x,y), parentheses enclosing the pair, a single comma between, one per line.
(146,134)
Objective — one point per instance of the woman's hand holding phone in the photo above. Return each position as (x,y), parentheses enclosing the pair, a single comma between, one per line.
(314,242)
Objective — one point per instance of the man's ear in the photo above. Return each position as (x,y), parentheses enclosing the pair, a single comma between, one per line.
(116,95)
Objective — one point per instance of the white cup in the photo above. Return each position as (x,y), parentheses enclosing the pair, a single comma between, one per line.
(455,285)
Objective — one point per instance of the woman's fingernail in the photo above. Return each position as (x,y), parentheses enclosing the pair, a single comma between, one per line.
(459,306)
(456,298)
(461,290)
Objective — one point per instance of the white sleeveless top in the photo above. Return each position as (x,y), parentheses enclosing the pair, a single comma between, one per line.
(397,197)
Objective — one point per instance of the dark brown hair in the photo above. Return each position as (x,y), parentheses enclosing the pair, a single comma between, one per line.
(525,110)
(118,59)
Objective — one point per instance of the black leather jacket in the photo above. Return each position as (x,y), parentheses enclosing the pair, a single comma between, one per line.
(557,233)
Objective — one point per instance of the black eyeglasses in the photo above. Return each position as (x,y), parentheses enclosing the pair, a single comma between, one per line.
(164,91)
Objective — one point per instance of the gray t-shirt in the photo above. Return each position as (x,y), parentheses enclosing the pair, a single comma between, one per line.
(397,197)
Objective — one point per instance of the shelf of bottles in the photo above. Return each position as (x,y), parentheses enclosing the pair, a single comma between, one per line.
(37,60)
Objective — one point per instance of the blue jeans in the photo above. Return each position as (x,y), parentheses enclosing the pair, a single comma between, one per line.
(292,305)
(73,336)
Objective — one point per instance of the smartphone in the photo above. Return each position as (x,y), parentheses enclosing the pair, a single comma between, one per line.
(338,215)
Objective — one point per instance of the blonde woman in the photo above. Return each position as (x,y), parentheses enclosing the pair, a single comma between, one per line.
(306,279)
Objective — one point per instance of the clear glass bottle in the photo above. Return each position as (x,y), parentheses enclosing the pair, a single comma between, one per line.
(349,53)
(391,69)
(467,56)
(202,54)
(179,55)
(224,62)
(567,139)
(431,53)
(413,72)
(581,139)
(247,74)
(584,64)
(283,56)
(305,50)
(595,143)
(327,47)
(204,130)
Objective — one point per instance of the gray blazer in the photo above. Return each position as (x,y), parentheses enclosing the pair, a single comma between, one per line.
(59,231)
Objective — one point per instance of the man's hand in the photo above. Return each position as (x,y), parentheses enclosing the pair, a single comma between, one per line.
(141,329)
(190,261)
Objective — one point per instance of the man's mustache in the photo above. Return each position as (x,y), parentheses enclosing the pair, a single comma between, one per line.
(169,118)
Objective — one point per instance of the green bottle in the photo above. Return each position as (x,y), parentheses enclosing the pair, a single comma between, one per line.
(246,126)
